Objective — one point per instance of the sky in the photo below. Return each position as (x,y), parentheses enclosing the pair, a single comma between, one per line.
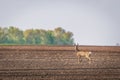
(93,22)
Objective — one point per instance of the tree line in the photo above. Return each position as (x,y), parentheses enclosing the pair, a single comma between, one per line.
(14,35)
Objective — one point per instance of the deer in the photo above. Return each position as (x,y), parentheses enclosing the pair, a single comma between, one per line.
(80,54)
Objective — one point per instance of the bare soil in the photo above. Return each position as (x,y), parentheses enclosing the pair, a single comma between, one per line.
(58,63)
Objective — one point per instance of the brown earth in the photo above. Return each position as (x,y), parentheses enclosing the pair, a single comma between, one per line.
(58,63)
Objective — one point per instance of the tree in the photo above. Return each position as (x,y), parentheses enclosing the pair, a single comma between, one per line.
(15,35)
(67,38)
(29,36)
(37,37)
(50,37)
(62,37)
(3,35)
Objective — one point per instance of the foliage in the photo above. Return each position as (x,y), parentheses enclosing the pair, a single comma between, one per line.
(13,35)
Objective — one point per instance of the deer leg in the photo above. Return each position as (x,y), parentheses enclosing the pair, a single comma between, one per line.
(79,60)
(88,59)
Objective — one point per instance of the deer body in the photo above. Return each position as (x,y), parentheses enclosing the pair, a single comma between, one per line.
(80,54)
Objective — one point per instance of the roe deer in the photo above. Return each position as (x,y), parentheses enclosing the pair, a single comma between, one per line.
(80,54)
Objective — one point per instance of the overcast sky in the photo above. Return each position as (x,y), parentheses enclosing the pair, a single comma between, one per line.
(93,22)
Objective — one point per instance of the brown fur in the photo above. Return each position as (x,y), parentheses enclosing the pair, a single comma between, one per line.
(80,54)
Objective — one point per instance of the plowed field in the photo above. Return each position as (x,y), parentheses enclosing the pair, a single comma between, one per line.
(58,63)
